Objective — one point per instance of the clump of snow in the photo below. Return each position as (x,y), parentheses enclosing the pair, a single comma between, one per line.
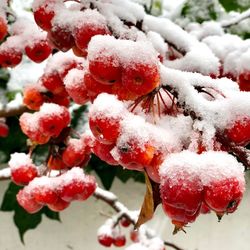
(128,52)
(18,160)
(209,166)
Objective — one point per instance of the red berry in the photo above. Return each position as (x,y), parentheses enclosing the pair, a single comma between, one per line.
(141,78)
(184,191)
(61,38)
(10,57)
(53,119)
(105,240)
(25,200)
(53,82)
(125,222)
(205,209)
(95,88)
(105,129)
(59,205)
(43,191)
(244,81)
(119,241)
(23,174)
(74,153)
(27,122)
(32,98)
(224,196)
(44,14)
(4,129)
(3,28)
(39,51)
(134,236)
(239,132)
(84,31)
(75,86)
(76,185)
(106,68)
(103,152)
(135,155)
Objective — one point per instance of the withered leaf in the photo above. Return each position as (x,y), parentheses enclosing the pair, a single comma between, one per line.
(151,200)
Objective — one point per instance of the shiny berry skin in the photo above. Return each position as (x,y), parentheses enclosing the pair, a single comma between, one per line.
(105,129)
(59,205)
(119,241)
(106,68)
(26,122)
(23,174)
(125,222)
(3,28)
(44,14)
(185,191)
(135,156)
(94,87)
(25,200)
(141,78)
(32,98)
(75,86)
(76,186)
(224,196)
(52,123)
(239,132)
(45,194)
(244,81)
(53,82)
(39,51)
(4,129)
(134,236)
(74,153)
(123,93)
(83,34)
(180,217)
(61,38)
(105,240)
(10,57)
(103,152)
(205,209)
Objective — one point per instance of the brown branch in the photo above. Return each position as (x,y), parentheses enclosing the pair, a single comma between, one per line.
(172,245)
(8,112)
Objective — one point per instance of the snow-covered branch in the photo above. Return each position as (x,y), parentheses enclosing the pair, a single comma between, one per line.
(239,18)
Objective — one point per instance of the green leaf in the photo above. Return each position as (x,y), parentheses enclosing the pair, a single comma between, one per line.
(200,10)
(235,5)
(78,114)
(51,214)
(105,172)
(9,200)
(23,220)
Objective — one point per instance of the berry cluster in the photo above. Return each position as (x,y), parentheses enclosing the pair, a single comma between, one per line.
(189,185)
(55,192)
(48,122)
(118,141)
(26,38)
(68,27)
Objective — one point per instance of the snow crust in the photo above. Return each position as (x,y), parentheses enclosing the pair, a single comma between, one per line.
(210,166)
(18,160)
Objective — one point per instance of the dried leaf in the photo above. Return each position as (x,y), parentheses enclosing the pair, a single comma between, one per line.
(151,201)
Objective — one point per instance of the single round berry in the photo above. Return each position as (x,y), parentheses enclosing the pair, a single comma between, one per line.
(25,200)
(10,57)
(39,51)
(105,240)
(59,205)
(119,241)
(32,98)
(4,129)
(3,28)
